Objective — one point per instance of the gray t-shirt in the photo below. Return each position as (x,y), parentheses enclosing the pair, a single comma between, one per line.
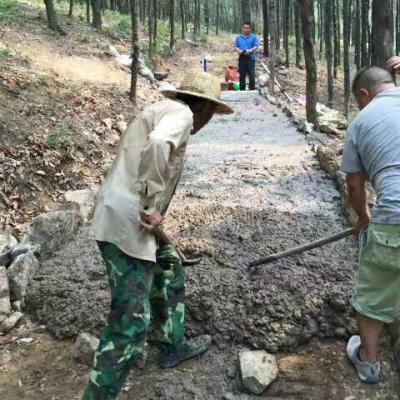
(373,146)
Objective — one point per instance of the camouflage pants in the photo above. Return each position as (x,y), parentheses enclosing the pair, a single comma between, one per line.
(140,291)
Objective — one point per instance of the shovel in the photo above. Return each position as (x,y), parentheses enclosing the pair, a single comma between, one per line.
(300,249)
(164,237)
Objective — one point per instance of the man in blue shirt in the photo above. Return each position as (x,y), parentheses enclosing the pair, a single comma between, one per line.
(246,46)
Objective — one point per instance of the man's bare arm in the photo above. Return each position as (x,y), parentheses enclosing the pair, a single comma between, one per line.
(358,198)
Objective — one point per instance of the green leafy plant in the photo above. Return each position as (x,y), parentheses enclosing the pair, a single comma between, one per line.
(8,10)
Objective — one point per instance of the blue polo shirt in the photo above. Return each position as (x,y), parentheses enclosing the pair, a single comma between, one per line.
(247,42)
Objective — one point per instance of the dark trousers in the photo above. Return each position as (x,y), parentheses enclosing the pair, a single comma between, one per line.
(247,67)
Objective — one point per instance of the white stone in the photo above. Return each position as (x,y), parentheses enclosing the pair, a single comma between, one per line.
(107,122)
(84,348)
(258,370)
(85,198)
(5,304)
(7,243)
(8,324)
(20,273)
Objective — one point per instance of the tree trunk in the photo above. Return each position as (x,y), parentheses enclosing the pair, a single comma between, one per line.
(357,35)
(150,20)
(183,23)
(135,50)
(346,56)
(172,23)
(321,28)
(217,18)
(382,32)
(207,15)
(266,27)
(329,8)
(336,38)
(155,25)
(398,27)
(96,23)
(278,24)
(52,17)
(307,21)
(246,10)
(71,8)
(298,35)
(272,46)
(286,32)
(364,32)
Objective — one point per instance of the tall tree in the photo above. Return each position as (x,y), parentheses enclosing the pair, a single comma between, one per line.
(272,45)
(278,24)
(52,17)
(307,22)
(150,20)
(266,27)
(183,18)
(218,5)
(246,10)
(397,27)
(88,11)
(329,14)
(172,23)
(346,56)
(96,10)
(365,9)
(287,32)
(298,35)
(207,15)
(135,50)
(71,8)
(357,34)
(155,24)
(382,32)
(336,37)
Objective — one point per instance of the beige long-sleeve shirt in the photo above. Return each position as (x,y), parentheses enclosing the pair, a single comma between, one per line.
(143,176)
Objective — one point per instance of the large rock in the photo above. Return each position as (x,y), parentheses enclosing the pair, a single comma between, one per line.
(54,229)
(7,243)
(5,304)
(23,248)
(20,274)
(8,324)
(84,348)
(86,199)
(258,370)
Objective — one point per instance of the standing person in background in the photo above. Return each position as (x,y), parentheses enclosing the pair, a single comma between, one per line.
(246,46)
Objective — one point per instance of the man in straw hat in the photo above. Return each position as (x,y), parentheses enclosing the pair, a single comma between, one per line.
(146,276)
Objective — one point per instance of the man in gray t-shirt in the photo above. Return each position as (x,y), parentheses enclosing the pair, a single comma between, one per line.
(372,152)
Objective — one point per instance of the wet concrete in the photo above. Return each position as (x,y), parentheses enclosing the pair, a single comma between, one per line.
(251,186)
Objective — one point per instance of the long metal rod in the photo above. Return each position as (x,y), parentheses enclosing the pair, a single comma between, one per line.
(300,249)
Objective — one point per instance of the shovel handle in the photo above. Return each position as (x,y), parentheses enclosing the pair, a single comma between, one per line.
(165,238)
(300,249)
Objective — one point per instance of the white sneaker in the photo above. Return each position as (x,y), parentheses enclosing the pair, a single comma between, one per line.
(367,372)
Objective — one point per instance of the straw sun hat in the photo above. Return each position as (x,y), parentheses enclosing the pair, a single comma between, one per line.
(203,85)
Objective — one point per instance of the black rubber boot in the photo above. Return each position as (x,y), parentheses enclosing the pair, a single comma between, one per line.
(171,357)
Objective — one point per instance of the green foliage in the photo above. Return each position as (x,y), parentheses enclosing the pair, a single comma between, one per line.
(4,53)
(61,136)
(8,10)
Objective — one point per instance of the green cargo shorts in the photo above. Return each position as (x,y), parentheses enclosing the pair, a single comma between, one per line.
(377,293)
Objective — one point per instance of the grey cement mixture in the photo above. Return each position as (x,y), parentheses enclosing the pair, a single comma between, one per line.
(252,186)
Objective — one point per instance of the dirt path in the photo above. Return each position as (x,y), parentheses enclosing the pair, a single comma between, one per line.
(252,185)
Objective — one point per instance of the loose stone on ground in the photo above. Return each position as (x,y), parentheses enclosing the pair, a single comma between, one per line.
(258,370)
